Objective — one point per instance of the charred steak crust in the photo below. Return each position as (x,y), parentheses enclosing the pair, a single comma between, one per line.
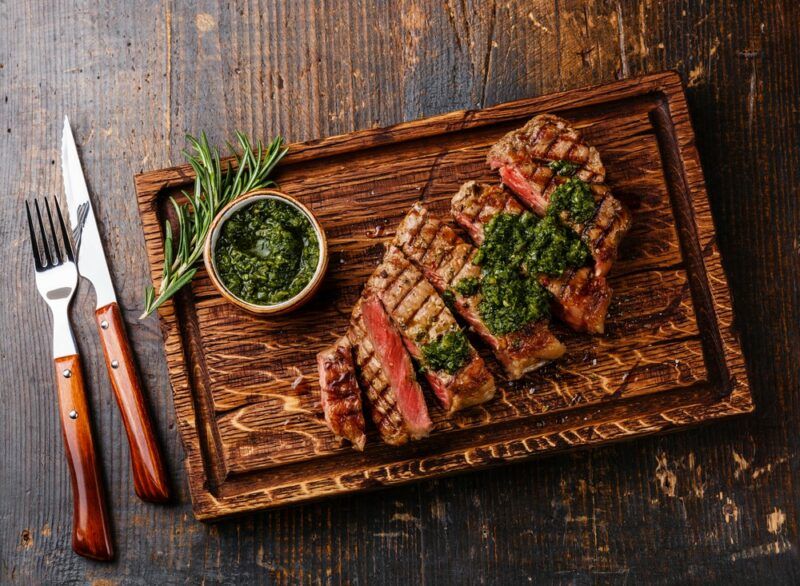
(522,157)
(475,204)
(340,395)
(580,298)
(422,318)
(546,138)
(445,259)
(401,314)
(381,395)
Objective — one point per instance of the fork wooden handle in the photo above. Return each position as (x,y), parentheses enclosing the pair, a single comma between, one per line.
(91,536)
(149,477)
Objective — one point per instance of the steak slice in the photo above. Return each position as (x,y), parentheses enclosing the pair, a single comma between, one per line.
(580,298)
(546,138)
(445,259)
(422,318)
(339,393)
(387,375)
(523,157)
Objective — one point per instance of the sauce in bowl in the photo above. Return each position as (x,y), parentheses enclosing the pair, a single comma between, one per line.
(267,252)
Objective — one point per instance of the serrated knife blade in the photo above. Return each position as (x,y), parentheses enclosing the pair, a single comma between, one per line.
(91,257)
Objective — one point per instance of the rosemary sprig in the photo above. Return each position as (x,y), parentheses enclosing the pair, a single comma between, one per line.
(213,189)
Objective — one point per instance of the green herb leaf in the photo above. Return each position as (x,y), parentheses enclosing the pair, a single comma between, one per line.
(553,248)
(564,168)
(449,298)
(575,198)
(467,287)
(448,353)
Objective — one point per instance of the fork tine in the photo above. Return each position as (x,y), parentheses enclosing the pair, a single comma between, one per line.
(64,231)
(45,244)
(56,246)
(37,260)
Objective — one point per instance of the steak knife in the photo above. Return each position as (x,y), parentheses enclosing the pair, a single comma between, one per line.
(149,477)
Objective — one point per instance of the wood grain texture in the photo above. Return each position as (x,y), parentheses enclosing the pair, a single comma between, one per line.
(149,477)
(716,504)
(249,382)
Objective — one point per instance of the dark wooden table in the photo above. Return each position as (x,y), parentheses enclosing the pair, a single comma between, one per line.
(721,503)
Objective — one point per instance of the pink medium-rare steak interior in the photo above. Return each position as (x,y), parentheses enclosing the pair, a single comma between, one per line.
(445,259)
(580,298)
(397,365)
(422,318)
(523,158)
(543,139)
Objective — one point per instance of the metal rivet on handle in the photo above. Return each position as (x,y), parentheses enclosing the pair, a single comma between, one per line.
(73,414)
(114,364)
(67,373)
(104,324)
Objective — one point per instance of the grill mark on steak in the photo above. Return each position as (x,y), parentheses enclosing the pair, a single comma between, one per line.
(422,317)
(522,157)
(605,232)
(419,233)
(395,420)
(340,395)
(434,255)
(476,204)
(580,298)
(537,142)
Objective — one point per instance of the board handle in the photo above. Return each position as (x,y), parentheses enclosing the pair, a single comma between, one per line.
(149,476)
(91,536)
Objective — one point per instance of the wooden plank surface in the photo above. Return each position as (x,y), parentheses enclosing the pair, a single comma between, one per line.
(719,503)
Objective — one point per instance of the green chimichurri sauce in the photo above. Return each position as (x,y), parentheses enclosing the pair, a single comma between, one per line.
(267,252)
(448,353)
(510,300)
(467,287)
(505,239)
(563,168)
(449,297)
(574,196)
(517,248)
(510,297)
(553,248)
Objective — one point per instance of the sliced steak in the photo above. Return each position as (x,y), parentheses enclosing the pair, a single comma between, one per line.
(339,393)
(580,298)
(387,375)
(603,234)
(523,157)
(422,318)
(546,138)
(445,259)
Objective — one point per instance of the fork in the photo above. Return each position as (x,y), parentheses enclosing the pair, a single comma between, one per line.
(56,280)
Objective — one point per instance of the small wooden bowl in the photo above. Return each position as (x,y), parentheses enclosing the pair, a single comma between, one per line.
(211,242)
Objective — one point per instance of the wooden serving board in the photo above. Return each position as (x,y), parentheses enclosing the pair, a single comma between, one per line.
(245,388)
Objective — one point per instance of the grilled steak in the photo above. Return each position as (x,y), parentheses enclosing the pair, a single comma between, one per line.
(524,158)
(543,139)
(424,322)
(445,259)
(340,395)
(580,298)
(387,375)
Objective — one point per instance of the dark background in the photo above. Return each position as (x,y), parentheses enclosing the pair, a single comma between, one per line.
(718,503)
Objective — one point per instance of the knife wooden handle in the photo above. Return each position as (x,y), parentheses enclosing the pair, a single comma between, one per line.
(91,535)
(149,477)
